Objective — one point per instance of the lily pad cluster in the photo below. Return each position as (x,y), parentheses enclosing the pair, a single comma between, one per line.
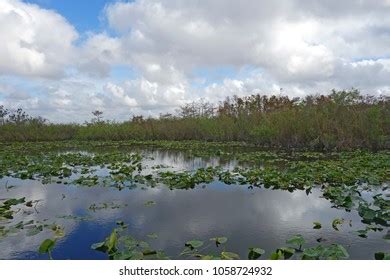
(344,179)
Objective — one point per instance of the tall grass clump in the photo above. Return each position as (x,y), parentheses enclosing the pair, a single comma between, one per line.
(340,120)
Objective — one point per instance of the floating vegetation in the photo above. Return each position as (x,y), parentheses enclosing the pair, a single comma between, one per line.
(46,247)
(149,203)
(123,246)
(349,169)
(6,213)
(106,205)
(336,222)
(331,252)
(297,240)
(317,225)
(119,246)
(219,240)
(382,256)
(356,182)
(320,252)
(255,253)
(73,217)
(364,232)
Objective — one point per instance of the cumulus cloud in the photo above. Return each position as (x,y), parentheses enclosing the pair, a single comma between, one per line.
(303,47)
(98,54)
(145,94)
(292,40)
(35,42)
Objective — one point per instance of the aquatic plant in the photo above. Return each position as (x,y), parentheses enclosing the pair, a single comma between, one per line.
(351,181)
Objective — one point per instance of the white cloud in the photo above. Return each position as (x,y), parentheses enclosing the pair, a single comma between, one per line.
(119,93)
(264,34)
(300,46)
(146,94)
(34,41)
(98,54)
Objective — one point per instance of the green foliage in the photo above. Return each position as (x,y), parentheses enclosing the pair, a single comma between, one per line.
(193,244)
(149,203)
(46,247)
(317,225)
(336,222)
(6,213)
(341,176)
(342,120)
(121,246)
(297,240)
(283,253)
(255,253)
(382,256)
(332,252)
(229,256)
(219,240)
(320,252)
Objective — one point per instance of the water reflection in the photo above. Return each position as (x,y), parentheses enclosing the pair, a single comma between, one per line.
(248,217)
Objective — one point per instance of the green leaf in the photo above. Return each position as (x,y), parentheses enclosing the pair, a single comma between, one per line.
(278,255)
(317,225)
(336,251)
(111,245)
(296,240)
(362,233)
(219,240)
(14,201)
(382,256)
(369,215)
(193,244)
(287,252)
(312,253)
(46,246)
(208,257)
(107,246)
(337,222)
(229,256)
(255,253)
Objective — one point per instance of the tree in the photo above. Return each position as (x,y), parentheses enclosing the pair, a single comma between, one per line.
(98,116)
(194,109)
(137,119)
(19,117)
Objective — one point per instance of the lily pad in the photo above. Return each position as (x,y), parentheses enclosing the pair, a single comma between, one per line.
(219,240)
(229,256)
(255,253)
(317,225)
(193,244)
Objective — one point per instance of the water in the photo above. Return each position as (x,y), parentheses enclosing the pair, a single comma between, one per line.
(247,217)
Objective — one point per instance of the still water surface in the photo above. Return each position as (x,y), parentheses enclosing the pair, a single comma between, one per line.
(247,217)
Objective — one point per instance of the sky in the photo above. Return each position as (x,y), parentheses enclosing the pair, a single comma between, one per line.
(63,59)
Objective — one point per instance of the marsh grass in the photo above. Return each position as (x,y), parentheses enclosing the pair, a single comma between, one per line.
(341,120)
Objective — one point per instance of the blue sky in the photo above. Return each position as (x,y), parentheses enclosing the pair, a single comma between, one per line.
(150,57)
(83,14)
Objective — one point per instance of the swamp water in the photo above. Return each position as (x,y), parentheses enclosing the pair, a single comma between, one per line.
(167,218)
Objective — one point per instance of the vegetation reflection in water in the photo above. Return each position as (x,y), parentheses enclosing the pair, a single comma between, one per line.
(353,181)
